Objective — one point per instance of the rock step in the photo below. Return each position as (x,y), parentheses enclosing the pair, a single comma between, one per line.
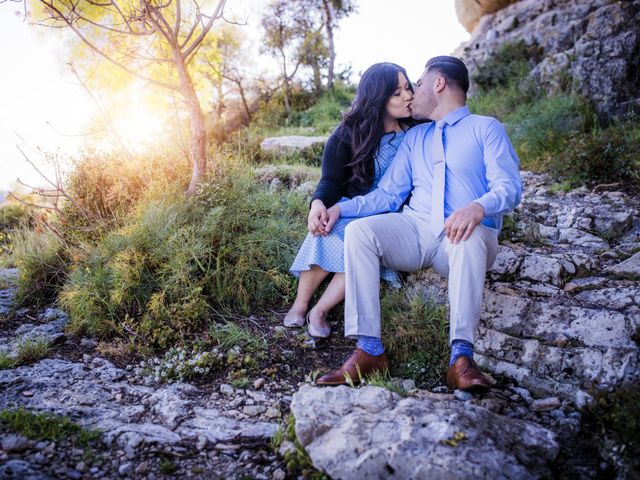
(97,396)
(373,433)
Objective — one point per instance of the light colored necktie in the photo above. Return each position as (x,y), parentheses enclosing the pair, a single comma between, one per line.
(437,184)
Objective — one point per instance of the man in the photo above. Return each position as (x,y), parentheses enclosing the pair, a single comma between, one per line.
(462,174)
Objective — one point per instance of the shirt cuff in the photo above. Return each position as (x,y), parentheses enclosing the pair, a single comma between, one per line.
(487,204)
(347,208)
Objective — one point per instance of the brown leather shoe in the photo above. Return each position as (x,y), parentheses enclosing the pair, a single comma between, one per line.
(359,364)
(464,374)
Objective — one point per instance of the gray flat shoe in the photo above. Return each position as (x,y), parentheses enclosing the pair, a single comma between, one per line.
(293,320)
(318,332)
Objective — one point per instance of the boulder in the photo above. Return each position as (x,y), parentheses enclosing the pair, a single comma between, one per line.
(290,144)
(373,433)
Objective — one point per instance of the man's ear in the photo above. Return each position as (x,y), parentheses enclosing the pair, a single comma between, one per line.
(440,83)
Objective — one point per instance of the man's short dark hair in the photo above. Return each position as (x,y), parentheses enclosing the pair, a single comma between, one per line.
(452,69)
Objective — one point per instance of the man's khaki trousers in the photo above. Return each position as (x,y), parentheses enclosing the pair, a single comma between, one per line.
(404,242)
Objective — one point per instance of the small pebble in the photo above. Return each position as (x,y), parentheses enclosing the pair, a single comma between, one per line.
(545,404)
(27,393)
(259,383)
(226,389)
(462,395)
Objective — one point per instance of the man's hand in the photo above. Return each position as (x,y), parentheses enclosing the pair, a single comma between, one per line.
(333,214)
(317,218)
(462,222)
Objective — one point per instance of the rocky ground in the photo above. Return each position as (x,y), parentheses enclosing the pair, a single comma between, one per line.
(562,313)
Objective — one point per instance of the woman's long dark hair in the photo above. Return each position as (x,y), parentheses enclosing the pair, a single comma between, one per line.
(365,120)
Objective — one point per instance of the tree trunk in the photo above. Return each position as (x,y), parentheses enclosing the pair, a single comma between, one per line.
(287,104)
(198,141)
(247,110)
(329,15)
(317,78)
(220,106)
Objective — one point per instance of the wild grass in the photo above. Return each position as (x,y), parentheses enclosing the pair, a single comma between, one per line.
(416,334)
(6,361)
(231,334)
(43,262)
(46,426)
(296,458)
(31,351)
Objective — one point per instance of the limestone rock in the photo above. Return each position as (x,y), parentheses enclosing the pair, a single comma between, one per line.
(163,415)
(581,43)
(630,267)
(290,144)
(373,433)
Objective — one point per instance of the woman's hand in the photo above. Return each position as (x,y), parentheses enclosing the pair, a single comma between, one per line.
(317,218)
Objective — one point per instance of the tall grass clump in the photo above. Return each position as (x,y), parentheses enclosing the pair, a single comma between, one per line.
(416,333)
(157,278)
(43,261)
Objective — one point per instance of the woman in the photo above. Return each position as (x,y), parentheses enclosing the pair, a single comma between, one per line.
(355,157)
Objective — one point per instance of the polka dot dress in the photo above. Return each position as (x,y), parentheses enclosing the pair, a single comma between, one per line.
(328,252)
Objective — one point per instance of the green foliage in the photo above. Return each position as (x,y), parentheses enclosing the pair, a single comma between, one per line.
(507,66)
(156,278)
(231,334)
(416,333)
(167,467)
(383,379)
(43,262)
(297,460)
(600,156)
(46,426)
(6,361)
(179,364)
(107,187)
(326,113)
(617,415)
(13,215)
(30,351)
(559,133)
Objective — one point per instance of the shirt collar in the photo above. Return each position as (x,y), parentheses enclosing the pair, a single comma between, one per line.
(453,117)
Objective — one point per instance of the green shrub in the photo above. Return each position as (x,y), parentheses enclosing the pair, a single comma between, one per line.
(43,261)
(600,156)
(616,414)
(416,333)
(158,278)
(507,66)
(325,115)
(12,216)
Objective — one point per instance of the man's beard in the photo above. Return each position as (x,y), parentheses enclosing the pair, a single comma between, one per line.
(430,104)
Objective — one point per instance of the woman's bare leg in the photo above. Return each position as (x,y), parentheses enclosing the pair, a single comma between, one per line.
(332,296)
(309,281)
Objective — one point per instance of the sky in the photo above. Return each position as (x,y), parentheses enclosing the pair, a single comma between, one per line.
(43,109)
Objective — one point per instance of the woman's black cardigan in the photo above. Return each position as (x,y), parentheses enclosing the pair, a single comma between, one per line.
(337,181)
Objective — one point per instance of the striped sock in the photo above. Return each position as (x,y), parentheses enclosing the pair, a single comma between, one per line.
(371,345)
(460,348)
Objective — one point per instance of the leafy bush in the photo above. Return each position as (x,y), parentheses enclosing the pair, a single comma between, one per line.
(105,188)
(159,276)
(508,66)
(43,262)
(600,156)
(325,115)
(617,416)
(13,216)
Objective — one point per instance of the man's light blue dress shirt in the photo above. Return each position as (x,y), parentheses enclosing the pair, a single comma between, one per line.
(481,167)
